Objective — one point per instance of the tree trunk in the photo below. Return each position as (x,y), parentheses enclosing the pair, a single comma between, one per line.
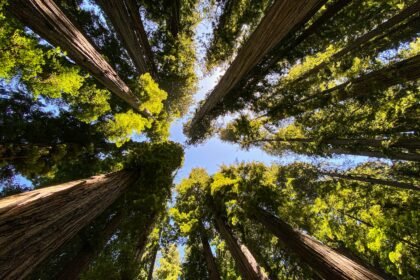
(152,263)
(129,27)
(211,263)
(280,52)
(45,18)
(399,72)
(280,19)
(144,236)
(138,26)
(396,184)
(34,224)
(357,147)
(245,262)
(381,28)
(326,262)
(81,261)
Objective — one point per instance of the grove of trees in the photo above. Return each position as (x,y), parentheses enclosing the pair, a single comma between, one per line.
(90,183)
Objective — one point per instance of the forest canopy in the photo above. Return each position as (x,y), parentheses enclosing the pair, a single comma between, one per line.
(313,119)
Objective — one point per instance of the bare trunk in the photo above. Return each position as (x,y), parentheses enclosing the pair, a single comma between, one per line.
(402,71)
(408,12)
(128,25)
(396,184)
(144,236)
(82,260)
(326,262)
(34,224)
(211,263)
(152,263)
(368,153)
(245,262)
(280,19)
(45,18)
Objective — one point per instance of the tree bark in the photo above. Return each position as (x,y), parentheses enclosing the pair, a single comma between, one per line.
(152,263)
(49,21)
(340,146)
(395,184)
(208,255)
(34,224)
(144,236)
(85,256)
(326,262)
(129,27)
(357,43)
(399,72)
(280,19)
(244,260)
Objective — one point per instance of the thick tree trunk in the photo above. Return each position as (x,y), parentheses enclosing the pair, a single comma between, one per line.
(152,263)
(395,184)
(280,52)
(245,262)
(280,19)
(326,262)
(208,255)
(34,224)
(359,42)
(129,27)
(81,261)
(45,18)
(402,71)
(144,236)
(359,147)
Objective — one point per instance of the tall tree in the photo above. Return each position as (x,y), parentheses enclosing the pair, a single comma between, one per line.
(280,19)
(327,262)
(41,15)
(125,18)
(61,212)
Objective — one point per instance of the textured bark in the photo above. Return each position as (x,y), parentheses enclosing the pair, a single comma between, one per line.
(245,262)
(281,18)
(127,23)
(359,42)
(326,262)
(280,52)
(208,255)
(45,18)
(358,147)
(36,223)
(402,71)
(395,184)
(144,236)
(174,21)
(152,263)
(81,261)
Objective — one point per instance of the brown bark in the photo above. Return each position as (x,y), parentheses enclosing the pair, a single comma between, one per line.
(280,51)
(359,42)
(402,71)
(81,261)
(340,146)
(36,223)
(244,260)
(144,236)
(280,19)
(45,18)
(326,262)
(396,184)
(152,263)
(129,27)
(208,255)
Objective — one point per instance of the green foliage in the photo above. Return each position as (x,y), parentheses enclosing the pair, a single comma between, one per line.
(170,264)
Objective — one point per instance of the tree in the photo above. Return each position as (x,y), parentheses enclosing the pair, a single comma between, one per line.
(170,264)
(75,204)
(264,38)
(66,35)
